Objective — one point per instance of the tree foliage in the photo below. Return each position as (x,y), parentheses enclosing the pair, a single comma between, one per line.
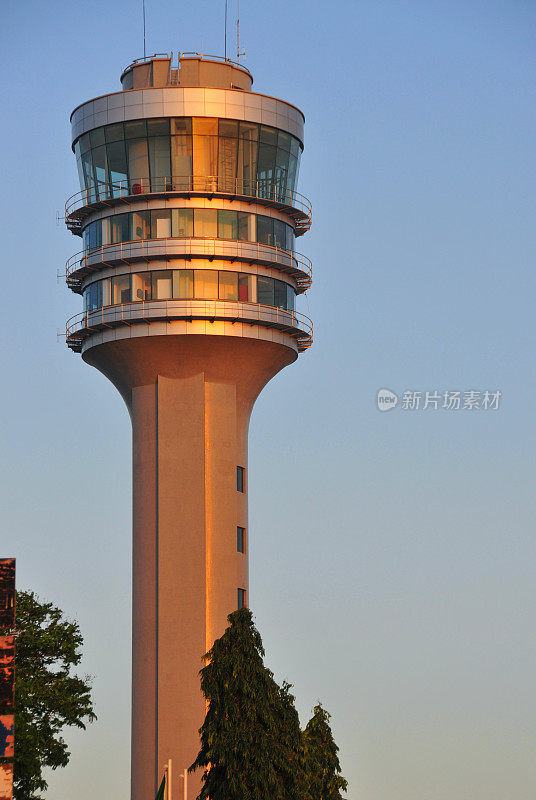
(323,779)
(251,744)
(47,696)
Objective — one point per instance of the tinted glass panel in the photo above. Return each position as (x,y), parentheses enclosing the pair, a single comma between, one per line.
(228,285)
(162,285)
(140,225)
(160,224)
(120,289)
(182,222)
(227,224)
(280,233)
(120,228)
(183,283)
(265,229)
(206,223)
(265,291)
(206,284)
(141,286)
(280,294)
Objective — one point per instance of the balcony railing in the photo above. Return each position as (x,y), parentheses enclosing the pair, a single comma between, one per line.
(83,325)
(264,192)
(294,264)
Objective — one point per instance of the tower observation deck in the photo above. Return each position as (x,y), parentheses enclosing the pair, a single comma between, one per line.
(189,272)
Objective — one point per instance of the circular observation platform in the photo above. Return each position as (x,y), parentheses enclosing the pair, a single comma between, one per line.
(265,193)
(85,263)
(82,326)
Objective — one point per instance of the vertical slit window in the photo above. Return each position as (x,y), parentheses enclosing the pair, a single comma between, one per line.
(240,539)
(241,598)
(240,479)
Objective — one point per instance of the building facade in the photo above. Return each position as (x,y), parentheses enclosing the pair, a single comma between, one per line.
(189,273)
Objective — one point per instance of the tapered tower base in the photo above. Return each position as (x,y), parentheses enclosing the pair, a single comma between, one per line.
(190,399)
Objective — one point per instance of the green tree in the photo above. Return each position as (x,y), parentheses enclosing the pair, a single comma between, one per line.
(47,696)
(323,779)
(251,743)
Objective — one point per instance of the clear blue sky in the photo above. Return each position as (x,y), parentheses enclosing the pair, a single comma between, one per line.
(392,555)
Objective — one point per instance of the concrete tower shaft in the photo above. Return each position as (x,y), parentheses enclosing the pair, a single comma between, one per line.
(189,274)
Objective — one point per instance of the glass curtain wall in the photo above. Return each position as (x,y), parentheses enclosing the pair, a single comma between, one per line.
(181,153)
(188,284)
(189,223)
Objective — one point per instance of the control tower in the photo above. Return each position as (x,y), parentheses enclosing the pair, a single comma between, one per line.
(189,274)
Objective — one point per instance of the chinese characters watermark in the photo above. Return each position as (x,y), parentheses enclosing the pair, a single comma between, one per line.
(470,400)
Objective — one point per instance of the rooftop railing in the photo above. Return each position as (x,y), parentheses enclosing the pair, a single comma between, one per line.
(265,192)
(290,262)
(81,326)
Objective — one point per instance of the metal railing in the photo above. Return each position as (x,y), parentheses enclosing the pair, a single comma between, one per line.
(86,323)
(266,192)
(291,262)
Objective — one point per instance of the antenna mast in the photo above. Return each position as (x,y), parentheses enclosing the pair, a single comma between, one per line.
(143,28)
(226,30)
(238,31)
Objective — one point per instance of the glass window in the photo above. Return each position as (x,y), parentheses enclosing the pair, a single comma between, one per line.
(227,224)
(158,127)
(241,598)
(92,296)
(161,224)
(247,288)
(249,131)
(283,140)
(295,148)
(106,230)
(183,283)
(140,225)
(117,165)
(240,479)
(120,289)
(265,169)
(227,154)
(96,137)
(265,229)
(137,129)
(120,228)
(162,284)
(281,171)
(240,539)
(160,163)
(114,132)
(182,222)
(265,290)
(280,234)
(106,291)
(205,149)
(84,142)
(181,161)
(246,227)
(206,284)
(141,286)
(138,164)
(246,171)
(206,223)
(228,129)
(280,294)
(181,126)
(228,282)
(289,237)
(101,171)
(205,126)
(292,173)
(290,297)
(268,135)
